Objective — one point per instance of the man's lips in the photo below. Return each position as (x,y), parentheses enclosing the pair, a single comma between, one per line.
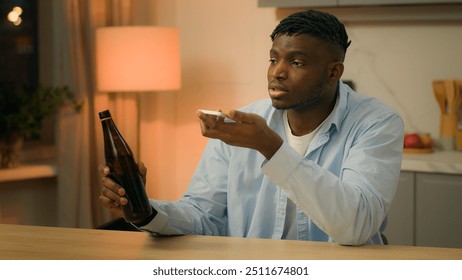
(276,91)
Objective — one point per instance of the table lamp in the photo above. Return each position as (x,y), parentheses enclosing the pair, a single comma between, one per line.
(137,59)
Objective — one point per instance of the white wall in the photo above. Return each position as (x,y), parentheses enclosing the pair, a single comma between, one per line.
(225,48)
(397,63)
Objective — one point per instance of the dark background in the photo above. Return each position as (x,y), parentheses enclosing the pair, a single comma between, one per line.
(19,44)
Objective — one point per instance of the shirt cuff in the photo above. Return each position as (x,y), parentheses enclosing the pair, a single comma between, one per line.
(159,225)
(282,164)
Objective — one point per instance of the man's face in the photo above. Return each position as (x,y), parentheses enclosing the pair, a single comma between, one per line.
(298,74)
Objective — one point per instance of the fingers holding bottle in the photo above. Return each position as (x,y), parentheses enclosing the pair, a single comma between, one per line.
(112,195)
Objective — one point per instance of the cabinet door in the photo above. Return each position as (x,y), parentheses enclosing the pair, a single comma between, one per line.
(438,210)
(29,202)
(340,3)
(297,3)
(400,227)
(392,2)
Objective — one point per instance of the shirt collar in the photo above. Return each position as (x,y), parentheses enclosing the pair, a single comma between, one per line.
(336,118)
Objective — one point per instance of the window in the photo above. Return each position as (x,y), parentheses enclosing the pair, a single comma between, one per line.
(19,42)
(20,58)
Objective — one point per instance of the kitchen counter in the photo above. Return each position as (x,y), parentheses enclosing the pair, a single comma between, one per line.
(447,162)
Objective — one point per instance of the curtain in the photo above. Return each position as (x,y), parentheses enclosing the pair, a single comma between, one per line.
(78,135)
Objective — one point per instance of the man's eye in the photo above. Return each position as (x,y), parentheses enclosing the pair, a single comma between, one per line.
(272,60)
(297,63)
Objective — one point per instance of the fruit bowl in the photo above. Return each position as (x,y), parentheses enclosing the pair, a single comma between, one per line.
(417,150)
(417,143)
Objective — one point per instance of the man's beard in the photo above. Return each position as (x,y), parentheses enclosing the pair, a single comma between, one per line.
(313,98)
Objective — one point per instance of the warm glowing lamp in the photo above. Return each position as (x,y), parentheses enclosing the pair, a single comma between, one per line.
(137,59)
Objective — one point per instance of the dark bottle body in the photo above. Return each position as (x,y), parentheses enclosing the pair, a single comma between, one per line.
(124,170)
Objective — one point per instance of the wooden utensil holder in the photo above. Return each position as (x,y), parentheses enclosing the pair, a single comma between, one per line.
(448,127)
(459,140)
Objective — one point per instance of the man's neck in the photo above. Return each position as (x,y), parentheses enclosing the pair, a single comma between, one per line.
(307,120)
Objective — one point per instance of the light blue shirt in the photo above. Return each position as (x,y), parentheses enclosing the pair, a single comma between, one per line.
(343,186)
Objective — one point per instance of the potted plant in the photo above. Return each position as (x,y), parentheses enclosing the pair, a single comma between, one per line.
(22,110)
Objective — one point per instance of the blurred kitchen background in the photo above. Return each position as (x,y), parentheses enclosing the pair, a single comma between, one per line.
(397,51)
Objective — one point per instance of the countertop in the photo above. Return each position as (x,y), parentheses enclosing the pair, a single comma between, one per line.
(447,162)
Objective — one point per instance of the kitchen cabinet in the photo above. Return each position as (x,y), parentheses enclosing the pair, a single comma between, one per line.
(438,209)
(29,202)
(29,194)
(297,3)
(400,227)
(427,210)
(393,2)
(346,3)
(375,10)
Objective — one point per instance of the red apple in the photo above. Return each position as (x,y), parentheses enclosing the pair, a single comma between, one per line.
(412,140)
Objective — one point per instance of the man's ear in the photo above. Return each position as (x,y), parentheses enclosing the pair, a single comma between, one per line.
(336,70)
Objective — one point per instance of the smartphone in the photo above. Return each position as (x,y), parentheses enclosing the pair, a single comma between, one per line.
(213,113)
(218,115)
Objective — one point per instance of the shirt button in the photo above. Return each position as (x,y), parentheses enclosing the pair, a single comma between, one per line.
(282,212)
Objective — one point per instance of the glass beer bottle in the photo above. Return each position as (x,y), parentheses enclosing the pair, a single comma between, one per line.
(124,171)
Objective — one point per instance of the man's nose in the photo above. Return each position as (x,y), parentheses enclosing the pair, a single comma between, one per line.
(279,71)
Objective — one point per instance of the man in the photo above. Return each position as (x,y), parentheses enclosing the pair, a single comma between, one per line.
(316,161)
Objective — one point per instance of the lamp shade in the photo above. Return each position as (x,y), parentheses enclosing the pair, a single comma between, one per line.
(137,58)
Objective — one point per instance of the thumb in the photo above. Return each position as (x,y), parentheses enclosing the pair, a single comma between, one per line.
(142,168)
(239,116)
(143,171)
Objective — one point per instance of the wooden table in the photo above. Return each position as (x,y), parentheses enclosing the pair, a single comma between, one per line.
(19,242)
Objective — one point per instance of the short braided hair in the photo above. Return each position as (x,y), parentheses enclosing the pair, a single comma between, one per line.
(321,25)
